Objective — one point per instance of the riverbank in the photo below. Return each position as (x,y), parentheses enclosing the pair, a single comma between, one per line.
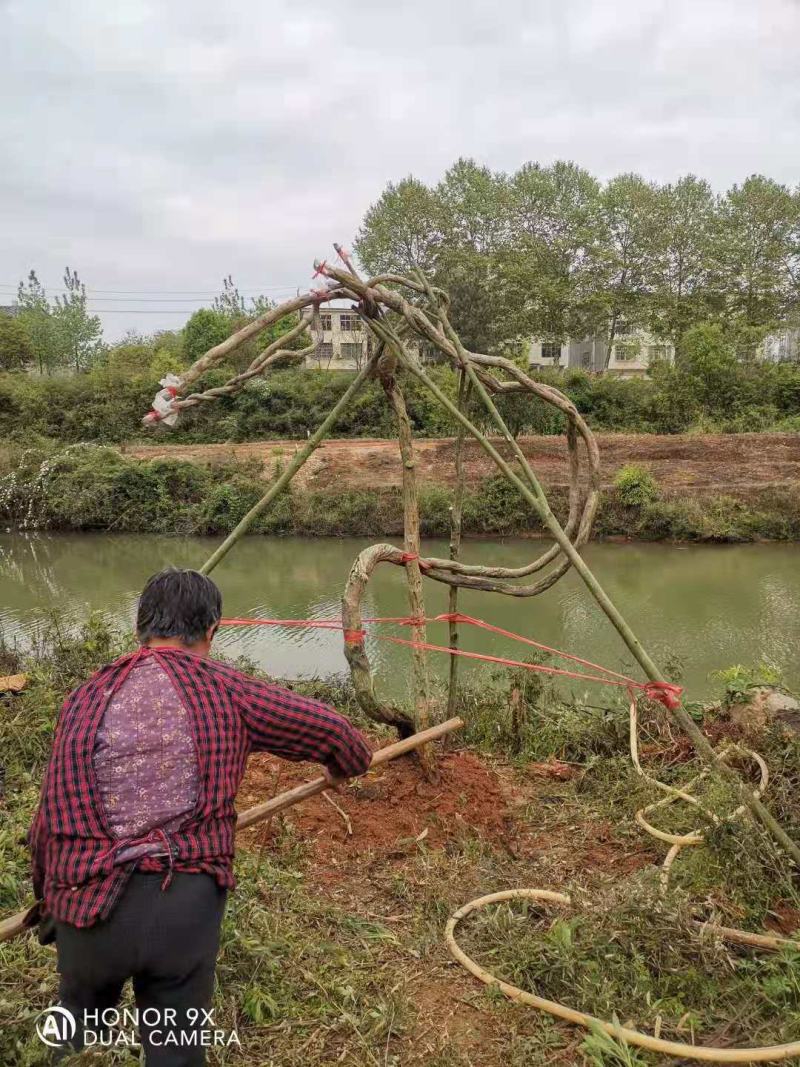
(332,947)
(711,488)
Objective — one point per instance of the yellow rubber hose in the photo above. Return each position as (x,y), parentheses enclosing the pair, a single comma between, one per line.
(764,1054)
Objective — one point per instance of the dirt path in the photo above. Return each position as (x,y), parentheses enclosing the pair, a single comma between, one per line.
(713,461)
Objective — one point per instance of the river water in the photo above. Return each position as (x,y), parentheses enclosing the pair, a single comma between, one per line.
(706,606)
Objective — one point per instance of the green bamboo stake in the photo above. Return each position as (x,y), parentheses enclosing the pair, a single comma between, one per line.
(539,502)
(300,458)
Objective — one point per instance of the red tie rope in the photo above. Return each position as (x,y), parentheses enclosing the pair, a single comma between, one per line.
(664,692)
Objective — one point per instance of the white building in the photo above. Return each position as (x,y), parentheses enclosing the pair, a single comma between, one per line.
(345,344)
(783,347)
(632,353)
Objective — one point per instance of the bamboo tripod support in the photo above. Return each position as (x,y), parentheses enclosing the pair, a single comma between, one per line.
(427,320)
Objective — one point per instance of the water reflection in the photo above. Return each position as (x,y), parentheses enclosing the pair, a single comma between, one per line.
(709,606)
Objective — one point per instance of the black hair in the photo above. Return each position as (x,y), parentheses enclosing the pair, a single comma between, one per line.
(178,603)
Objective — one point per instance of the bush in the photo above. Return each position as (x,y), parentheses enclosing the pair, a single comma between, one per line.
(497,507)
(636,486)
(707,390)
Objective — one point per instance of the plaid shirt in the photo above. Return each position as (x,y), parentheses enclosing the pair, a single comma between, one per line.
(231,715)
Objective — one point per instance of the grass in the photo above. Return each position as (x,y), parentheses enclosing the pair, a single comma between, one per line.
(326,964)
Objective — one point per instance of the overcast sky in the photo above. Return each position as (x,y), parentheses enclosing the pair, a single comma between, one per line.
(157,146)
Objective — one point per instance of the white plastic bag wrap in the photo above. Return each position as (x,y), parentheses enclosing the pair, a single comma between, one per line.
(162,410)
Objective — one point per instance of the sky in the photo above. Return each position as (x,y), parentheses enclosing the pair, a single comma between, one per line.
(157,147)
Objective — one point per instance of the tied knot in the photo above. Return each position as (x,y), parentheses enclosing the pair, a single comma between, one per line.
(409,557)
(665,693)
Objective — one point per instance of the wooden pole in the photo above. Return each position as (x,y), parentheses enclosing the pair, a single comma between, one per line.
(15,924)
(318,785)
(411,544)
(464,389)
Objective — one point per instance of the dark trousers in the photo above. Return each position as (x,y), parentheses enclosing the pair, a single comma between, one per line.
(166,941)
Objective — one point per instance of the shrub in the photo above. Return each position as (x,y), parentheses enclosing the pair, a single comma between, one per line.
(227,504)
(496,507)
(636,486)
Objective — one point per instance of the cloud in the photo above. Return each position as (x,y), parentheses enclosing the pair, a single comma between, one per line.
(160,146)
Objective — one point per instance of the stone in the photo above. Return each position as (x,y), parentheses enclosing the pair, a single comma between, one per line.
(766,705)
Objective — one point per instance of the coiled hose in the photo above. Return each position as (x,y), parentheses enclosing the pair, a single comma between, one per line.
(677,842)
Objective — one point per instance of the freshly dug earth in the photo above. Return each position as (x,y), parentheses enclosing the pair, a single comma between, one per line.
(392,807)
(718,462)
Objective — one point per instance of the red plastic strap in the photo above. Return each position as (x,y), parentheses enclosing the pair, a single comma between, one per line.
(470,621)
(665,693)
(321,269)
(485,658)
(407,557)
(172,390)
(153,416)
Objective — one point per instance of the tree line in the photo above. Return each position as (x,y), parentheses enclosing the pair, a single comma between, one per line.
(547,252)
(50,334)
(553,253)
(61,334)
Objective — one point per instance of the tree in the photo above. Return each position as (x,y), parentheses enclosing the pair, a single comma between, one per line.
(755,252)
(543,268)
(472,226)
(620,258)
(16,347)
(547,252)
(401,230)
(36,317)
(708,360)
(230,302)
(205,328)
(80,334)
(679,267)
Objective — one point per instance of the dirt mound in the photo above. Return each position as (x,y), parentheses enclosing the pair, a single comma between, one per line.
(388,808)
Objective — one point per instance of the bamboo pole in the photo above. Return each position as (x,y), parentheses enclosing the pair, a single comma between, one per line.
(15,924)
(299,460)
(540,504)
